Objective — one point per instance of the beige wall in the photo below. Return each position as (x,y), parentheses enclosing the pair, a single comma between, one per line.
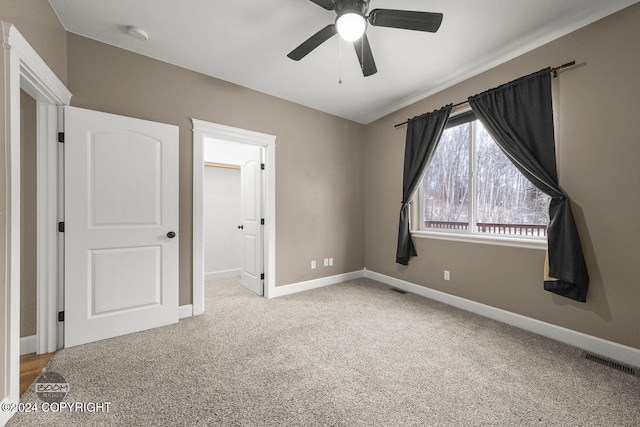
(39,24)
(28,217)
(598,148)
(319,175)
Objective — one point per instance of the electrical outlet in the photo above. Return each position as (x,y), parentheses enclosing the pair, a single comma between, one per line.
(447,276)
(313,265)
(330,262)
(326,262)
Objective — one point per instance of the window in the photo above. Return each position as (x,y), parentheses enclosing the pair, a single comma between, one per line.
(471,187)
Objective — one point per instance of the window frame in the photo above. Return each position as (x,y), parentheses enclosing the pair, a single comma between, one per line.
(532,242)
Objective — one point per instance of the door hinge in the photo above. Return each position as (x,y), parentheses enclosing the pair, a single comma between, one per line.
(261,221)
(61,137)
(261,166)
(61,227)
(262,276)
(61,316)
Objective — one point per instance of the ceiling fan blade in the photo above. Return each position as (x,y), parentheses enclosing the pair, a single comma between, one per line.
(313,42)
(365,56)
(327,4)
(406,19)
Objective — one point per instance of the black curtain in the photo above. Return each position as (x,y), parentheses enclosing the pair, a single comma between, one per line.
(423,134)
(519,117)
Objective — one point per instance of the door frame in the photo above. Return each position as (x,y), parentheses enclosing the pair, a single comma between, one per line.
(24,69)
(201,130)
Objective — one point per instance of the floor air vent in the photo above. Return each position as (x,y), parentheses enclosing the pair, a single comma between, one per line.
(400,291)
(610,363)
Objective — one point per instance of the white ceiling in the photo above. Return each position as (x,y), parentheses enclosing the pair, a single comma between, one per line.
(246,42)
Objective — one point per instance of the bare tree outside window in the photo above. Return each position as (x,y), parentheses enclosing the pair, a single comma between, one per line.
(505,201)
(446,181)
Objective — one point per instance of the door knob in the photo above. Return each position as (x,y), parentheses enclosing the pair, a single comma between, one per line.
(171,234)
(241,227)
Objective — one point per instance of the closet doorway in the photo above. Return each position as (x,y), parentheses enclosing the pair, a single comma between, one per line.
(233,212)
(252,154)
(222,212)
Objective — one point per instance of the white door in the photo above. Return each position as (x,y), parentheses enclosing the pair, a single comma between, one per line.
(251,190)
(121,225)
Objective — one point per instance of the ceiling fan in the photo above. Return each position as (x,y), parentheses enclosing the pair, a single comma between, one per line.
(351,24)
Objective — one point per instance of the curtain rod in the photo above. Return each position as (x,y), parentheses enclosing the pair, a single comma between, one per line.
(554,71)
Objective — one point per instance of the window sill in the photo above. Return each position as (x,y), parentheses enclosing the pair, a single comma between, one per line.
(516,242)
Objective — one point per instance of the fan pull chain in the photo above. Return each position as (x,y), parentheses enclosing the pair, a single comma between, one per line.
(340,64)
(362,53)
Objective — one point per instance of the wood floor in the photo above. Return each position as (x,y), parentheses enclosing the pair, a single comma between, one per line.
(30,367)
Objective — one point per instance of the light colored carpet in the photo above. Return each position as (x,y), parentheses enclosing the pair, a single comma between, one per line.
(353,354)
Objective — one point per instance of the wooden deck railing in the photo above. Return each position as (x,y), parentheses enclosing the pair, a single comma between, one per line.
(485,227)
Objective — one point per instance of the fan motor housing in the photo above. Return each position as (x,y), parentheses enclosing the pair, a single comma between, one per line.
(352,6)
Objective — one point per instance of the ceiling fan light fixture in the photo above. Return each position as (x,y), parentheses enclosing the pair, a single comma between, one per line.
(351,26)
(353,18)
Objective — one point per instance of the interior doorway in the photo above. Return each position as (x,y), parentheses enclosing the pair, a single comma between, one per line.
(216,135)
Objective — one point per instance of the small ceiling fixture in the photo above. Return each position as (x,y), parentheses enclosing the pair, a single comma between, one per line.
(137,33)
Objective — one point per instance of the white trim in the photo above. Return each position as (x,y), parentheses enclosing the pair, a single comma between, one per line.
(315,283)
(61,242)
(202,129)
(269,196)
(47,217)
(197,251)
(185,311)
(28,344)
(515,242)
(214,275)
(610,349)
(23,68)
(233,134)
(10,208)
(37,79)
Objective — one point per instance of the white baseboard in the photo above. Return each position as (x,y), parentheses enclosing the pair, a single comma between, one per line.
(314,283)
(28,344)
(185,311)
(599,346)
(215,275)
